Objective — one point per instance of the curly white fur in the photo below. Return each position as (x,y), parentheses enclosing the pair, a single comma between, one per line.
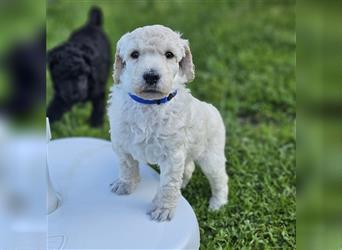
(173,135)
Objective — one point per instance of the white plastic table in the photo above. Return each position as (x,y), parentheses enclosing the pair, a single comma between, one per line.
(90,216)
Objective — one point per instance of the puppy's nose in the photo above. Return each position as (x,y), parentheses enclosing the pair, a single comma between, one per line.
(151,77)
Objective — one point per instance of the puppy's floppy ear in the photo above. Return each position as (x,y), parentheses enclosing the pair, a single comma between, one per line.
(118,67)
(186,66)
(54,54)
(119,62)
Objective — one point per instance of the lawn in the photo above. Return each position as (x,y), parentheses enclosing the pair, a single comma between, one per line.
(245,54)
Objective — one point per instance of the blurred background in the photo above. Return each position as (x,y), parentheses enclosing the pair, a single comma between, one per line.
(319,127)
(23,222)
(22,62)
(245,57)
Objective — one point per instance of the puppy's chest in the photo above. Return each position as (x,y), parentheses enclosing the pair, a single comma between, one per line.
(150,134)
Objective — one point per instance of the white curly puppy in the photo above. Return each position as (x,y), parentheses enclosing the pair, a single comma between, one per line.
(154,119)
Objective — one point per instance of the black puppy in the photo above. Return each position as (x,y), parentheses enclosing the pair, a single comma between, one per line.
(79,70)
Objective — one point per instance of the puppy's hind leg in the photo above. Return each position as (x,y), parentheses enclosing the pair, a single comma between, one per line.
(214,168)
(98,103)
(188,170)
(128,175)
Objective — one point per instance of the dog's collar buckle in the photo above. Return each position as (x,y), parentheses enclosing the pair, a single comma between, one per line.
(171,95)
(155,101)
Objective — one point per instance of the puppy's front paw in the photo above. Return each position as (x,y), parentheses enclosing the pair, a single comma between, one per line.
(121,187)
(158,213)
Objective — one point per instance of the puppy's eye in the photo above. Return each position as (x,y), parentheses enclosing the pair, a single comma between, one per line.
(135,54)
(169,55)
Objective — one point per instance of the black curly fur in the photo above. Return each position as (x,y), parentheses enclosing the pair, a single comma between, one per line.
(79,69)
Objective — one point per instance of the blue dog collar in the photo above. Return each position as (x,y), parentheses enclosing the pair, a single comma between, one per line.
(155,101)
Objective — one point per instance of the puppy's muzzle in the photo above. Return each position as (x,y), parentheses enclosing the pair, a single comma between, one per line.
(151,77)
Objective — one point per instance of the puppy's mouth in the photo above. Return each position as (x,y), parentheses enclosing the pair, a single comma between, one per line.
(151,91)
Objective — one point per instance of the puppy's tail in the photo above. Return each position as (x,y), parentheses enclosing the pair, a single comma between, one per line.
(95,16)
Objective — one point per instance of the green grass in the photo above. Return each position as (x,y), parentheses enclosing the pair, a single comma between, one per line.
(244,54)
